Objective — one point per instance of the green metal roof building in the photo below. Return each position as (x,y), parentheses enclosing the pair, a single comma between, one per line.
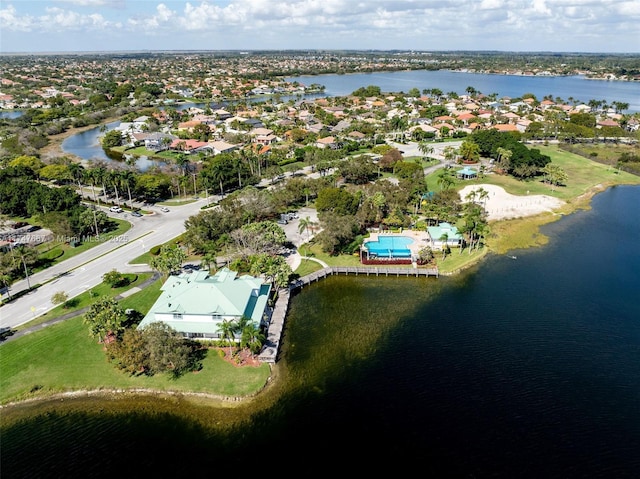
(454,238)
(195,304)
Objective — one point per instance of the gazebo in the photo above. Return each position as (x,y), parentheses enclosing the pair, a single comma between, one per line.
(466,173)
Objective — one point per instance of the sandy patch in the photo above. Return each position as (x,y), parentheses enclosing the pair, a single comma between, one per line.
(501,205)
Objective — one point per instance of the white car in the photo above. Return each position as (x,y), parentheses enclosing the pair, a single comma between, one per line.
(115,209)
(164,209)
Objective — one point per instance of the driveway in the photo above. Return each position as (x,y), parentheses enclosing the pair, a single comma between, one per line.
(292,228)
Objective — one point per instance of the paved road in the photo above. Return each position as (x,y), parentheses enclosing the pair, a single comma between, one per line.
(84,271)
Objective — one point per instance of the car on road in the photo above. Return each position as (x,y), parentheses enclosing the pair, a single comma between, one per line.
(115,209)
(164,209)
(137,214)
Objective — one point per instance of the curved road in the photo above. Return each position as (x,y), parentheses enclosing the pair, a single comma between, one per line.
(84,271)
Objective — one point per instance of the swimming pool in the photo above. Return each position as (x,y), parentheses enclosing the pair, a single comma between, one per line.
(390,247)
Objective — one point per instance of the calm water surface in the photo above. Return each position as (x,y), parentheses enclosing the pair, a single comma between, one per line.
(525,368)
(577,87)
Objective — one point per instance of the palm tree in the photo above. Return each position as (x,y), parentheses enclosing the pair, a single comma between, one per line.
(425,148)
(127,177)
(470,151)
(90,177)
(444,238)
(77,173)
(114,179)
(306,224)
(445,180)
(28,256)
(252,337)
(5,280)
(227,329)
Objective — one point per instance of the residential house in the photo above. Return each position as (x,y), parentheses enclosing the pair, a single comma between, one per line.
(222,147)
(189,146)
(505,127)
(263,136)
(196,304)
(327,142)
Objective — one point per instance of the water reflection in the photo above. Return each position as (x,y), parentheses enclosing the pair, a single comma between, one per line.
(86,145)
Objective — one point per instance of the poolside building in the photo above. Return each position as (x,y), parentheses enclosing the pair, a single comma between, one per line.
(466,173)
(443,235)
(195,304)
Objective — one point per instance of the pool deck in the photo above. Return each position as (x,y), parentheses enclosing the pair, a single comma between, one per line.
(420,239)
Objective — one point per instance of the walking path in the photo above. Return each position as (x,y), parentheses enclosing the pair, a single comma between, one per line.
(78,312)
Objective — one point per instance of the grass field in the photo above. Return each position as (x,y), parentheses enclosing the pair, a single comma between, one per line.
(63,357)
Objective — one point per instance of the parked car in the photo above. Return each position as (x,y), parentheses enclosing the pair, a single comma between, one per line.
(164,209)
(115,209)
(283,222)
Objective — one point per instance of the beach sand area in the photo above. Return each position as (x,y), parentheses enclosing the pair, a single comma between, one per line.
(501,205)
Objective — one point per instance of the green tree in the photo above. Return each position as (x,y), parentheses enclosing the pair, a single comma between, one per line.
(130,354)
(469,151)
(227,330)
(114,278)
(445,180)
(169,259)
(168,351)
(251,336)
(105,317)
(111,139)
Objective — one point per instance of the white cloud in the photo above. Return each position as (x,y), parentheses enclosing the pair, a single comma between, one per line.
(380,24)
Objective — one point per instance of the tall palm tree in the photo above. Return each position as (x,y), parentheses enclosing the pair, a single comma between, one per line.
(90,178)
(444,238)
(445,180)
(425,148)
(77,173)
(127,178)
(114,179)
(227,330)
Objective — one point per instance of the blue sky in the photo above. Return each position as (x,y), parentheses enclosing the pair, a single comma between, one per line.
(506,25)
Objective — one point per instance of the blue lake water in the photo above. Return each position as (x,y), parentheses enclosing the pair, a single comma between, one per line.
(577,87)
(86,145)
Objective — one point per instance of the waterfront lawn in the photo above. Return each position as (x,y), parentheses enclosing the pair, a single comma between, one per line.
(315,250)
(307,266)
(63,357)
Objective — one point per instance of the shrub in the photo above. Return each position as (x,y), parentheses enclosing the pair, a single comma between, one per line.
(155,250)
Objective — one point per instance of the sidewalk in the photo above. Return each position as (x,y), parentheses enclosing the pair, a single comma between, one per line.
(78,312)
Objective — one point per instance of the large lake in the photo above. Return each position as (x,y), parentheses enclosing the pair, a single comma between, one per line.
(576,87)
(525,368)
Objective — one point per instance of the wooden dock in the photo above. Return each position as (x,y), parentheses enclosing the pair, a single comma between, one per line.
(363,271)
(269,353)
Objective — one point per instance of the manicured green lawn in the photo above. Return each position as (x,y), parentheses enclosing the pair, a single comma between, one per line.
(63,357)
(307,266)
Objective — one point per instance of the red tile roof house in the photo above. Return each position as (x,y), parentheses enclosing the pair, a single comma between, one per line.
(327,142)
(606,122)
(505,127)
(189,146)
(466,118)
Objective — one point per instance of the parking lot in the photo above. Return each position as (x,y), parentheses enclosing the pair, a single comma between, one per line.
(291,229)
